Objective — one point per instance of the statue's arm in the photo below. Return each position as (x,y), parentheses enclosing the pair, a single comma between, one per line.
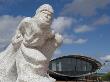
(30,36)
(20,33)
(25,30)
(51,44)
(17,39)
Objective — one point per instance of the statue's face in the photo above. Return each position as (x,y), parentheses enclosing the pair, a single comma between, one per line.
(45,17)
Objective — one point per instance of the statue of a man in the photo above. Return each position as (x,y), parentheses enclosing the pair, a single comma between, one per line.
(31,49)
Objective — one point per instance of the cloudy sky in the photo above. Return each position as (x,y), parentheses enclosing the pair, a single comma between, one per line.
(84,24)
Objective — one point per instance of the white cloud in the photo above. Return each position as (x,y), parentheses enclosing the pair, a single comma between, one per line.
(106,58)
(8,25)
(73,41)
(83,28)
(61,23)
(70,39)
(102,20)
(57,53)
(85,7)
(80,41)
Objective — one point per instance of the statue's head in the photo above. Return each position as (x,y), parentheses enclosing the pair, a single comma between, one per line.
(44,14)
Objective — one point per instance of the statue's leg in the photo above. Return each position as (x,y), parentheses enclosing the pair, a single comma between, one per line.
(29,70)
(8,71)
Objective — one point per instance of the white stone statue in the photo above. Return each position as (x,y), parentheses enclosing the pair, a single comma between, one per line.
(27,58)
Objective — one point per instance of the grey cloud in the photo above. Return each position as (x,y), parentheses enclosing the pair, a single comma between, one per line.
(9,1)
(84,7)
(59,24)
(102,20)
(105,58)
(8,25)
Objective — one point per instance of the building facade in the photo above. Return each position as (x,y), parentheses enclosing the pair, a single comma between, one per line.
(73,66)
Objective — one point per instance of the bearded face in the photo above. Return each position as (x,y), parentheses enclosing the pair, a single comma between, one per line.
(44,17)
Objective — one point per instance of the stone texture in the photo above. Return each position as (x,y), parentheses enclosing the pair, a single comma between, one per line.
(26,59)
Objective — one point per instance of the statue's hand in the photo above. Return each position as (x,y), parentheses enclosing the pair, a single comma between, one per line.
(51,44)
(58,38)
(17,40)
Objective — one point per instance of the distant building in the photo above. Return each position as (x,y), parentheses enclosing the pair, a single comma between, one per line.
(73,67)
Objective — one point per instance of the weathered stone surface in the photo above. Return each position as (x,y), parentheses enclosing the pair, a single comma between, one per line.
(26,59)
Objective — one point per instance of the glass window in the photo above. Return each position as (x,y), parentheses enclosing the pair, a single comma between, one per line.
(89,66)
(60,67)
(71,66)
(53,66)
(83,66)
(78,66)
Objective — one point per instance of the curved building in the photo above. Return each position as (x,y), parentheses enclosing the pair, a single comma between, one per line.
(72,67)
